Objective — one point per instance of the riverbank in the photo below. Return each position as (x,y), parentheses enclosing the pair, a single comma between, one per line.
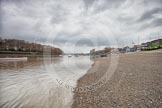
(23,54)
(136,82)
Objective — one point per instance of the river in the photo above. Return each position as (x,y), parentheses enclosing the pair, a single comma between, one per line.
(41,82)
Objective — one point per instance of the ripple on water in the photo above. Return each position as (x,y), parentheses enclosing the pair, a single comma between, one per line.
(32,84)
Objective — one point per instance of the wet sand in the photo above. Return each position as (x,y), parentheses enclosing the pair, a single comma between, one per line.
(136,83)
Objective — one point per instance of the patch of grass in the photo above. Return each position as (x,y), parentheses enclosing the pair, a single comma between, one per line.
(154,47)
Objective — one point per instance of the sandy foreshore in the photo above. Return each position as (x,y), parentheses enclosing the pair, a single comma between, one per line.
(135,83)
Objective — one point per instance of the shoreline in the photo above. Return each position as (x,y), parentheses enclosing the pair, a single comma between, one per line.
(135,83)
(23,54)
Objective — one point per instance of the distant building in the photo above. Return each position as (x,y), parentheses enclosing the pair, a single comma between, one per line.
(132,49)
(100,53)
(144,46)
(126,49)
(137,47)
(157,42)
(147,45)
(92,53)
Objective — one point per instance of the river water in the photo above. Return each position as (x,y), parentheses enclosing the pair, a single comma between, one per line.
(41,82)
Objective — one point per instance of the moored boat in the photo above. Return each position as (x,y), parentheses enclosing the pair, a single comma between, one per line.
(69,55)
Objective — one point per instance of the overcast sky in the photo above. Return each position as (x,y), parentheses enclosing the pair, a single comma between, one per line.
(80,25)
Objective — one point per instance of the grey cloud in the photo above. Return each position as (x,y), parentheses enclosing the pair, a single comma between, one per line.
(149,15)
(126,20)
(19,3)
(143,25)
(113,3)
(108,4)
(157,22)
(80,41)
(59,40)
(152,2)
(88,3)
(105,4)
(66,22)
(84,42)
(58,14)
(93,42)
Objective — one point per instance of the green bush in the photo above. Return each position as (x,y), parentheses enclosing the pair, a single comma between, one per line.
(160,46)
(154,47)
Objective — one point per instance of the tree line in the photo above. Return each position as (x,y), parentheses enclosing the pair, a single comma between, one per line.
(24,46)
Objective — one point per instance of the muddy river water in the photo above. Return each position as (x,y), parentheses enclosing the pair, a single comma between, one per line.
(40,82)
